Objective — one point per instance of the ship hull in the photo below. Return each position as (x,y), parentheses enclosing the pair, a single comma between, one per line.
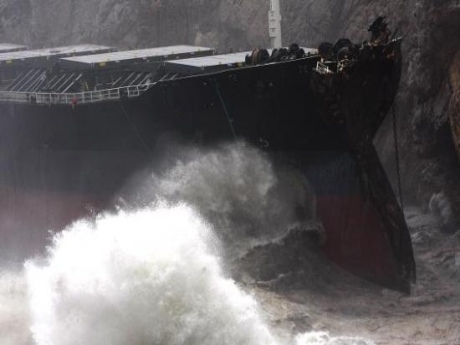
(61,162)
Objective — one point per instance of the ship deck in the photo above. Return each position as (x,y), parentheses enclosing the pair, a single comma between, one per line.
(90,74)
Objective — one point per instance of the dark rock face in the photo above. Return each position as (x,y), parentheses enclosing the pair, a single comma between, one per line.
(429,91)
(124,23)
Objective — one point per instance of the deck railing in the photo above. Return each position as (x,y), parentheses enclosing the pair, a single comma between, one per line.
(74,98)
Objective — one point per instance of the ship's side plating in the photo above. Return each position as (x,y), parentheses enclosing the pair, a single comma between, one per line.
(323,124)
(60,161)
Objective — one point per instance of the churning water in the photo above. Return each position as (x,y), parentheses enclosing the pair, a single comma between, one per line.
(151,275)
(147,277)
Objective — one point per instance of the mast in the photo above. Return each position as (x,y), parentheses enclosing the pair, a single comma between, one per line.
(274,24)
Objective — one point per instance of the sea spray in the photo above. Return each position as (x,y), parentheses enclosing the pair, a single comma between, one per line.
(14,310)
(143,277)
(140,278)
(236,188)
(323,338)
(152,274)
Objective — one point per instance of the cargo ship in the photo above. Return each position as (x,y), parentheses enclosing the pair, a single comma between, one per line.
(77,122)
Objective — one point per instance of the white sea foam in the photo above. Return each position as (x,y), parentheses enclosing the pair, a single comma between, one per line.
(247,199)
(14,310)
(146,277)
(322,338)
(152,275)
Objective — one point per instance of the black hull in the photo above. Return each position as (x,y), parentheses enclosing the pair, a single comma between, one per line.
(82,155)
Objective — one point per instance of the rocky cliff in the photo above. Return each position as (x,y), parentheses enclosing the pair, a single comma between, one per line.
(429,91)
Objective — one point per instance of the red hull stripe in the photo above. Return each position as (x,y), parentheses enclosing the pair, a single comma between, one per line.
(356,238)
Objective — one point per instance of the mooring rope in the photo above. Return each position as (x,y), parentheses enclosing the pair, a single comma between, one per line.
(398,167)
(135,130)
(224,107)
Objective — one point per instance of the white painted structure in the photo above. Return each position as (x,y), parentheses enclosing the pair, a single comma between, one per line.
(274,24)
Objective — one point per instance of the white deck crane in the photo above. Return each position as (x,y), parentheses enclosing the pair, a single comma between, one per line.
(274,24)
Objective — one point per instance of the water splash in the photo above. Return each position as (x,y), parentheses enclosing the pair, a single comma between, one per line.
(322,338)
(14,309)
(147,277)
(152,275)
(144,277)
(247,199)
